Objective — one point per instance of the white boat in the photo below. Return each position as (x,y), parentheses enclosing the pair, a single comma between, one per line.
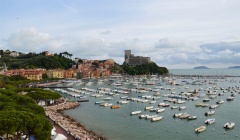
(143,116)
(230,98)
(210,121)
(136,112)
(220,101)
(153,109)
(210,112)
(229,125)
(152,102)
(148,107)
(156,118)
(192,117)
(174,107)
(176,115)
(108,98)
(200,129)
(151,116)
(160,110)
(123,102)
(182,108)
(213,106)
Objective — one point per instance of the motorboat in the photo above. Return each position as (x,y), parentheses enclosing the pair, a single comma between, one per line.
(143,116)
(151,116)
(192,117)
(176,115)
(230,98)
(213,106)
(182,108)
(99,102)
(115,106)
(200,129)
(210,112)
(229,125)
(152,102)
(184,116)
(156,118)
(160,110)
(136,112)
(210,121)
(148,107)
(220,101)
(206,100)
(174,107)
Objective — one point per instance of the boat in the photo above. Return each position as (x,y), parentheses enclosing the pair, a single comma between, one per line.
(176,115)
(213,106)
(123,102)
(200,129)
(210,121)
(99,102)
(148,107)
(115,106)
(220,101)
(229,125)
(174,107)
(230,98)
(156,118)
(206,100)
(151,116)
(143,116)
(106,104)
(160,110)
(152,102)
(192,117)
(83,100)
(184,116)
(182,108)
(136,112)
(210,112)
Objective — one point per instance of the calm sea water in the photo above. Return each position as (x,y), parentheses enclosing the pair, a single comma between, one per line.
(118,124)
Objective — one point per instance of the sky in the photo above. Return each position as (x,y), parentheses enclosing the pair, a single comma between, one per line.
(177,34)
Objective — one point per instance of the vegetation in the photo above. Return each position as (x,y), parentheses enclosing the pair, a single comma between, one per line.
(20,114)
(29,61)
(150,68)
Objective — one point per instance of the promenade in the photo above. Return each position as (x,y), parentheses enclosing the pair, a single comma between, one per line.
(66,125)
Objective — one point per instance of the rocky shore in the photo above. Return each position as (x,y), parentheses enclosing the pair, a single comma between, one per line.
(72,127)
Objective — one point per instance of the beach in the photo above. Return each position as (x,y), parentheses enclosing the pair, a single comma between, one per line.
(72,128)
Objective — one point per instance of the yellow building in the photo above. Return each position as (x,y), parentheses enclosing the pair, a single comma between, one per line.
(57,73)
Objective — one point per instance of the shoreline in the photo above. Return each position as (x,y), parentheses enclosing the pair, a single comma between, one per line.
(70,125)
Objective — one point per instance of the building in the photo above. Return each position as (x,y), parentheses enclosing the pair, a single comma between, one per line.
(31,74)
(132,60)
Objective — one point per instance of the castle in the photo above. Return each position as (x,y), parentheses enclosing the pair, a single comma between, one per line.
(132,60)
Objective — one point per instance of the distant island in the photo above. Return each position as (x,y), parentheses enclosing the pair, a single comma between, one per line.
(234,67)
(201,67)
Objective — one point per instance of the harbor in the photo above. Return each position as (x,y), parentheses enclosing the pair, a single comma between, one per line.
(161,99)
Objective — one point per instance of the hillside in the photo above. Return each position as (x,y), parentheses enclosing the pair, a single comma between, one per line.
(143,69)
(36,61)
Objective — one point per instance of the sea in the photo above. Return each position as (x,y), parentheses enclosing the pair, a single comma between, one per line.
(119,124)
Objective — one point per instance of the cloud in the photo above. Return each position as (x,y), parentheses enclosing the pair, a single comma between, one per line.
(167,52)
(107,32)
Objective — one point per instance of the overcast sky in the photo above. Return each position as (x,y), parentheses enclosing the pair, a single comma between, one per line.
(174,33)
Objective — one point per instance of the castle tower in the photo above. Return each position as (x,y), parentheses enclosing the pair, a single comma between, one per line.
(127,56)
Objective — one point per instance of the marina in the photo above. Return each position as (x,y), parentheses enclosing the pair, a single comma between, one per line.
(175,123)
